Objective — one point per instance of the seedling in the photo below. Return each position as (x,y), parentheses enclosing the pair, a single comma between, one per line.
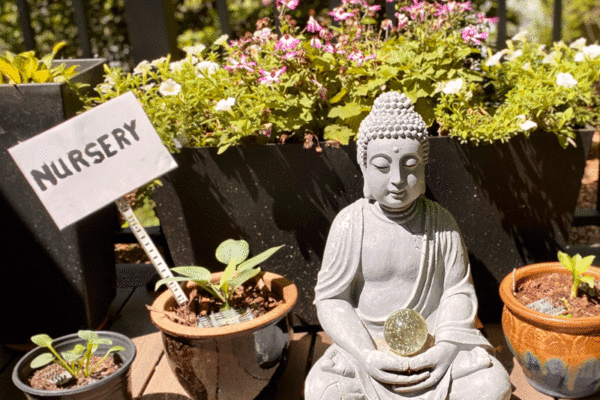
(234,254)
(27,68)
(577,266)
(76,361)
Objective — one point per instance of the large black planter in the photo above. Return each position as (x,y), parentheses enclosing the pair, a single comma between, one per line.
(65,279)
(514,203)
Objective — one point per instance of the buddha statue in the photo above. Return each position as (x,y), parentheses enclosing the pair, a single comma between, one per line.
(392,250)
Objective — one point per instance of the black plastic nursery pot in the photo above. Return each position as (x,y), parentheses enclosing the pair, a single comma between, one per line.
(71,273)
(514,203)
(116,386)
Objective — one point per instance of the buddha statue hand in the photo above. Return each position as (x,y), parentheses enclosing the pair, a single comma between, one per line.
(434,362)
(392,369)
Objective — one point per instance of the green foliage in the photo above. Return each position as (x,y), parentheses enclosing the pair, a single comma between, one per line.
(76,361)
(526,87)
(234,254)
(577,266)
(27,68)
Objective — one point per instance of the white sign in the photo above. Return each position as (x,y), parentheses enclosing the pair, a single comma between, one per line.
(91,160)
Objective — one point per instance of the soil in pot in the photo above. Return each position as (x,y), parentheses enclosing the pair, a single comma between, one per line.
(47,378)
(253,295)
(556,287)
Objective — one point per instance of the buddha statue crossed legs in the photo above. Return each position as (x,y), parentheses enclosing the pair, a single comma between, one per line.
(395,249)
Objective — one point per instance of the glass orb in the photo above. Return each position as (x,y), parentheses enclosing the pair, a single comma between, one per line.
(405,331)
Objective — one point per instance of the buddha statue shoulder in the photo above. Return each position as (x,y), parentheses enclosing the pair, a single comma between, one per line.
(396,250)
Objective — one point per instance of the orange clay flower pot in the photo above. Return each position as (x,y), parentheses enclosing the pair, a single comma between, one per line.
(560,356)
(233,362)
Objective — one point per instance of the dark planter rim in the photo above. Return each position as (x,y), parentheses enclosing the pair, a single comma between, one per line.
(287,289)
(70,340)
(565,325)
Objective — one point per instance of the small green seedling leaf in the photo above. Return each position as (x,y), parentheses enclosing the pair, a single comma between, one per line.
(262,257)
(42,340)
(194,273)
(231,250)
(42,360)
(577,266)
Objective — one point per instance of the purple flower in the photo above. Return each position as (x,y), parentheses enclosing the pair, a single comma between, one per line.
(291,4)
(270,77)
(242,64)
(417,10)
(339,14)
(470,34)
(287,43)
(312,25)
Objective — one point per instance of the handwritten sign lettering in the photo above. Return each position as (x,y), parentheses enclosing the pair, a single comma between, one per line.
(93,159)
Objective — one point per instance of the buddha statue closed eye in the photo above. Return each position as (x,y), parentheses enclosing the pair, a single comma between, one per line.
(395,250)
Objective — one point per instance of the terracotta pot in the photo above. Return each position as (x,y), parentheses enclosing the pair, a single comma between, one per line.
(116,386)
(235,362)
(560,356)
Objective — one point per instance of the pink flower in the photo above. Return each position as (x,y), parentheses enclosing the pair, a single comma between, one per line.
(402,20)
(328,48)
(339,14)
(242,64)
(417,10)
(482,19)
(316,43)
(270,77)
(386,24)
(290,55)
(287,43)
(291,4)
(325,35)
(470,34)
(374,8)
(312,25)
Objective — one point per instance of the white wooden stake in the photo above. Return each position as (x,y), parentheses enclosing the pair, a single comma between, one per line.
(150,249)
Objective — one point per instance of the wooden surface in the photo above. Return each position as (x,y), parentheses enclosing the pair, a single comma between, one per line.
(152,378)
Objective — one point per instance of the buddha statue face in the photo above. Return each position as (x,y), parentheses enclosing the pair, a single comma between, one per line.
(395,172)
(392,150)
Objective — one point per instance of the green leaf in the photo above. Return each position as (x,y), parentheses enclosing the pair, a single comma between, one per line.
(73,354)
(10,72)
(173,279)
(114,349)
(42,340)
(566,261)
(194,273)
(347,110)
(339,133)
(42,360)
(232,249)
(88,336)
(339,96)
(242,277)
(589,280)
(227,274)
(258,259)
(584,263)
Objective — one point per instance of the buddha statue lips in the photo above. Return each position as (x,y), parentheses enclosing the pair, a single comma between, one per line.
(393,250)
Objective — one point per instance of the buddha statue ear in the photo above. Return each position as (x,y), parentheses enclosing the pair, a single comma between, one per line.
(366,191)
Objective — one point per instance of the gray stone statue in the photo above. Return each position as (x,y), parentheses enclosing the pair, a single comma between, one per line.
(393,250)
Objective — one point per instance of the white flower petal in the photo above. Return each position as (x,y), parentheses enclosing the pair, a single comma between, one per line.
(565,80)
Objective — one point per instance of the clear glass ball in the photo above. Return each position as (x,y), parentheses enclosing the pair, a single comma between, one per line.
(405,331)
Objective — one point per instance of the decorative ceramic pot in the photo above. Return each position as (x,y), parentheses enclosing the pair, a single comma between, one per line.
(234,362)
(116,386)
(560,356)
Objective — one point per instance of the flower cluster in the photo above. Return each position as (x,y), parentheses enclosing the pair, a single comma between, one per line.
(526,87)
(320,80)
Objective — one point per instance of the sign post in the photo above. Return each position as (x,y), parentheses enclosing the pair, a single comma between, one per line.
(93,160)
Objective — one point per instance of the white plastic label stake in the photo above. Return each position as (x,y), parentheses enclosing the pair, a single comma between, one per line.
(150,249)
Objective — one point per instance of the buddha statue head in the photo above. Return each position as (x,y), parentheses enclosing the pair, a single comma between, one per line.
(392,151)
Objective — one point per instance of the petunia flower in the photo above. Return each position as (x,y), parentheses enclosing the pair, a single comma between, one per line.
(142,68)
(208,67)
(566,80)
(471,34)
(494,59)
(194,50)
(243,63)
(291,4)
(287,43)
(225,104)
(169,88)
(452,87)
(316,43)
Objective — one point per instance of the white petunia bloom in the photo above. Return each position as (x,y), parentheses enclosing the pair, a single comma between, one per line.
(495,59)
(527,125)
(566,80)
(208,67)
(194,50)
(222,40)
(578,44)
(169,88)
(142,68)
(159,61)
(452,87)
(176,66)
(579,57)
(105,87)
(550,58)
(225,104)
(592,51)
(514,55)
